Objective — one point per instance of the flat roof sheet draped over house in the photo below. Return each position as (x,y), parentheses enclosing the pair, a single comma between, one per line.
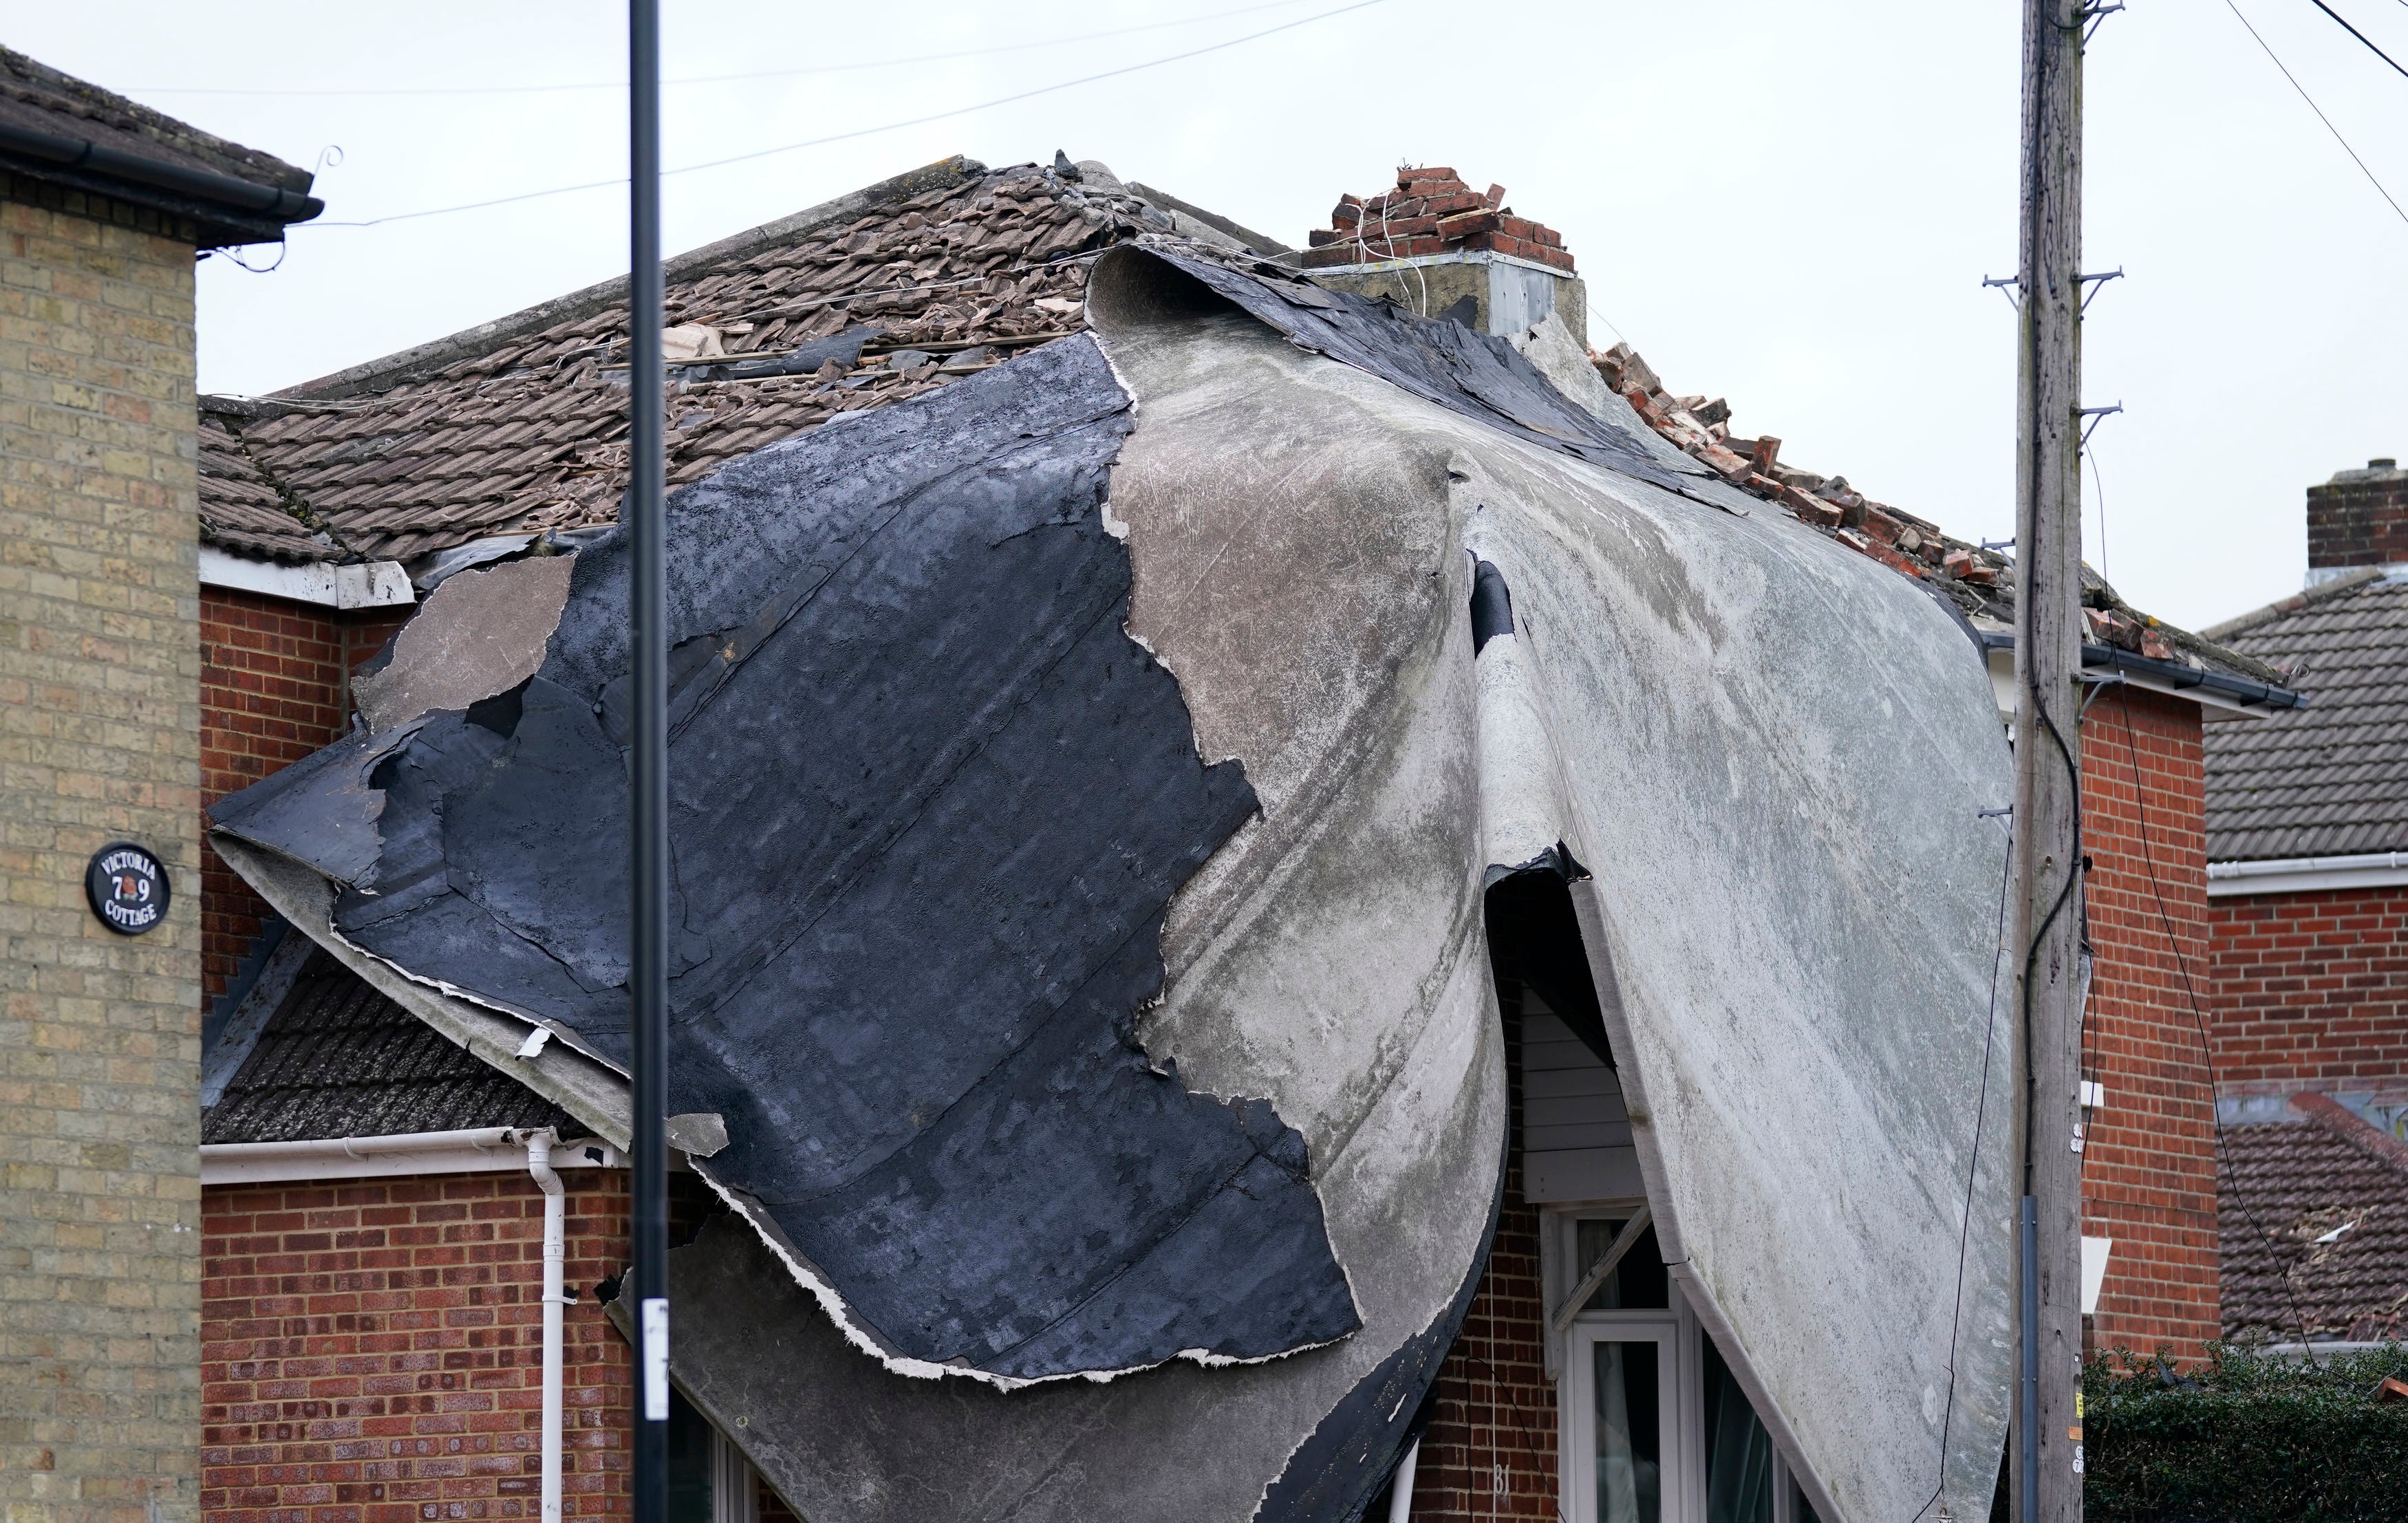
(1086,777)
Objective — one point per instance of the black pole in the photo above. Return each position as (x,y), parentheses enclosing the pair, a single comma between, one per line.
(648,612)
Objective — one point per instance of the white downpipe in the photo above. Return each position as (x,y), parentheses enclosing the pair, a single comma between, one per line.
(555,1252)
(1400,1500)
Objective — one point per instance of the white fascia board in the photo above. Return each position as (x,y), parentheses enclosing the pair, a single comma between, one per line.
(2213,706)
(2307,874)
(484,1150)
(373,584)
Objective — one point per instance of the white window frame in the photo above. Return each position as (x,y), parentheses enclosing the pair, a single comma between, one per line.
(1681,1375)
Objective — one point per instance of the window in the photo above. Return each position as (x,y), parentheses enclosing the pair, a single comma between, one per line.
(709,1479)
(1657,1427)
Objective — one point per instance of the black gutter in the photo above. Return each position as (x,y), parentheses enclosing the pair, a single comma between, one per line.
(206,186)
(2240,689)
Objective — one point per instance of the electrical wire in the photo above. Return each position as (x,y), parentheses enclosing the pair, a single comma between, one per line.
(861,132)
(2319,110)
(1974,1167)
(734,79)
(2361,37)
(2206,1047)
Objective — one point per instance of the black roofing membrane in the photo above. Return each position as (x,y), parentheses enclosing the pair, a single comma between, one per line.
(929,803)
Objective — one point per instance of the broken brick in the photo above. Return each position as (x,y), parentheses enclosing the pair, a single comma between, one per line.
(1729,465)
(1810,507)
(1466,224)
(1765,455)
(1496,196)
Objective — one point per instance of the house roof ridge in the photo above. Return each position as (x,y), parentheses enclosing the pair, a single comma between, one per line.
(2348,581)
(423,360)
(2338,1120)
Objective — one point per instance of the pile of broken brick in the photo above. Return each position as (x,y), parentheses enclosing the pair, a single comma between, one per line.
(1431,212)
(1980,581)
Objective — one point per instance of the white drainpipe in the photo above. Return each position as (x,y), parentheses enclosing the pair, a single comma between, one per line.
(538,1156)
(1400,1500)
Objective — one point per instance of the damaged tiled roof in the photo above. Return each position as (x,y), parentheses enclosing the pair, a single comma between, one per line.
(241,510)
(1981,582)
(2330,780)
(340,1060)
(932,276)
(2331,1197)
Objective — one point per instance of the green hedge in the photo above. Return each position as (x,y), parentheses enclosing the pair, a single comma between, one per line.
(2246,1438)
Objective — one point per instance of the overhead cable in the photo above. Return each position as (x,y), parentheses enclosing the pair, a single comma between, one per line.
(862,132)
(737,78)
(2320,111)
(2361,37)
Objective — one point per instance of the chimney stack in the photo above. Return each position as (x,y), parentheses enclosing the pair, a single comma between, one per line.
(2359,518)
(1436,247)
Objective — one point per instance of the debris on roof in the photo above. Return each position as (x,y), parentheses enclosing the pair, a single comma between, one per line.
(2327,780)
(340,1060)
(1431,212)
(530,435)
(2329,1196)
(241,510)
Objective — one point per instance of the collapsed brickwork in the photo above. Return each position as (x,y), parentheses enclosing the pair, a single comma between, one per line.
(1431,211)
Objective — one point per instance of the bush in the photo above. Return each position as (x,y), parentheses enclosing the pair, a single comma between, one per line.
(2245,1438)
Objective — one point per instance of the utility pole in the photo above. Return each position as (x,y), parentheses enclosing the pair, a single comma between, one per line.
(2046,1476)
(648,764)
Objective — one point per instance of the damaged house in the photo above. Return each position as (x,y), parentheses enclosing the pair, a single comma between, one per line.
(1298,900)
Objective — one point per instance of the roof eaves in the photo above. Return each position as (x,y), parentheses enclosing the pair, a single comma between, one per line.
(424,359)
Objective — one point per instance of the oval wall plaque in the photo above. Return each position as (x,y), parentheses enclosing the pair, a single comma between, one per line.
(127,887)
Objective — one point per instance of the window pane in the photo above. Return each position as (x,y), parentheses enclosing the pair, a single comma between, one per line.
(1638,1282)
(1738,1452)
(1630,1435)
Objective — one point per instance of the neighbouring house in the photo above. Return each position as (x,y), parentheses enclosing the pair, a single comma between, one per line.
(2308,891)
(103,206)
(1532,1312)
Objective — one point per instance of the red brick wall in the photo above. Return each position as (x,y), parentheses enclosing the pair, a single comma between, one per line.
(274,687)
(372,1350)
(1496,1406)
(2312,992)
(2149,1169)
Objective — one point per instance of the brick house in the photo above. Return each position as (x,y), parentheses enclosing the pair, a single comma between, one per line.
(2308,898)
(104,207)
(374,1322)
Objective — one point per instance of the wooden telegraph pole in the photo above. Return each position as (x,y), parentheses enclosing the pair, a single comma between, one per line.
(2048,1449)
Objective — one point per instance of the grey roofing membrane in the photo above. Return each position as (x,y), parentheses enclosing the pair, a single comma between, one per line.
(1088,779)
(2330,779)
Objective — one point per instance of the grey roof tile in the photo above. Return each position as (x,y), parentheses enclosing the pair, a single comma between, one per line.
(2330,779)
(340,1060)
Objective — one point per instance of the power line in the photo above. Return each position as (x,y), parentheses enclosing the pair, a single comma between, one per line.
(2359,35)
(2320,111)
(733,78)
(863,131)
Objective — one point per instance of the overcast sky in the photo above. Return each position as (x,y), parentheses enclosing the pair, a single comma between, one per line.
(1789,202)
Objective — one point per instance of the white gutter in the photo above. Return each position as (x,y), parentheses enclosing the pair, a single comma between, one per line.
(2306,875)
(539,1163)
(481,1150)
(373,584)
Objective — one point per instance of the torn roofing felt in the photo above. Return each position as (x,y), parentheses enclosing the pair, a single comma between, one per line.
(1477,375)
(929,801)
